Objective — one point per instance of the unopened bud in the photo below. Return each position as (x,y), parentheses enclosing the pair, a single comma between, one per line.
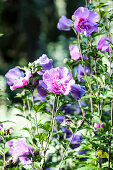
(9,131)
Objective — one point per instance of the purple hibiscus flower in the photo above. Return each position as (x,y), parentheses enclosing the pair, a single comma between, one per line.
(68,133)
(75,141)
(77,91)
(98,126)
(21,150)
(1,126)
(85,21)
(81,72)
(58,80)
(74,53)
(60,118)
(41,91)
(103,44)
(10,143)
(45,63)
(17,78)
(68,108)
(81,152)
(13,74)
(64,24)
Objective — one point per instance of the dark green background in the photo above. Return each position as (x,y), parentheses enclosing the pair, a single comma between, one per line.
(28,27)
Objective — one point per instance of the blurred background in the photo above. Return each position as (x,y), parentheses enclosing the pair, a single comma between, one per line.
(30,29)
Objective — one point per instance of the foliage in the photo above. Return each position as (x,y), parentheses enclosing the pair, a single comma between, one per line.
(76,102)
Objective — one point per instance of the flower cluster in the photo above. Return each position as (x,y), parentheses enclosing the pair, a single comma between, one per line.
(85,21)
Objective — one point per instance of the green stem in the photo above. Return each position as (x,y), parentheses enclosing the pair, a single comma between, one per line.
(4,149)
(109,151)
(32,90)
(28,104)
(109,143)
(49,138)
(83,65)
(112,116)
(25,113)
(86,3)
(81,107)
(65,152)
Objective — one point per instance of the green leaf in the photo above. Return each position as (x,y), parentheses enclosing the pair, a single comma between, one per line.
(27,117)
(45,126)
(27,129)
(12,137)
(38,107)
(7,121)
(97,34)
(1,163)
(17,107)
(57,133)
(88,97)
(40,136)
(99,80)
(96,119)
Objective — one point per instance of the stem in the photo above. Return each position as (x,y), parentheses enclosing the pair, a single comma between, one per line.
(110,49)
(100,166)
(4,150)
(99,112)
(91,100)
(86,3)
(96,72)
(33,167)
(84,67)
(111,116)
(33,101)
(65,152)
(81,107)
(49,138)
(91,61)
(109,151)
(28,104)
(110,80)
(109,143)
(25,113)
(35,113)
